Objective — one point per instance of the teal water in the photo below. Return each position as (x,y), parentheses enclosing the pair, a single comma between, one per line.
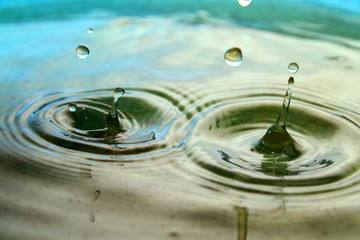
(183,168)
(334,17)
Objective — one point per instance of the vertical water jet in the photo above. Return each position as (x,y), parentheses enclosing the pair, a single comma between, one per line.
(277,139)
(113,122)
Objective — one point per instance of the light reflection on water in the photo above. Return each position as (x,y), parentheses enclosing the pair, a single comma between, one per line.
(185,181)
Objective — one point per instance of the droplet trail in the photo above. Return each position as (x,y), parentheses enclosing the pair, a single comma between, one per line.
(233,56)
(96,195)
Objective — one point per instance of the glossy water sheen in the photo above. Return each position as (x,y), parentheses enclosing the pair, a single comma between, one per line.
(178,161)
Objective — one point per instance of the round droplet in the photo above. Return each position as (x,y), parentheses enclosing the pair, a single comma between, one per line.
(293,67)
(90,30)
(118,92)
(72,107)
(233,56)
(82,51)
(244,3)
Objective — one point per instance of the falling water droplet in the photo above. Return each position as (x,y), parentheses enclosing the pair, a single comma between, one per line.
(90,30)
(276,138)
(244,3)
(82,51)
(72,107)
(233,56)
(293,67)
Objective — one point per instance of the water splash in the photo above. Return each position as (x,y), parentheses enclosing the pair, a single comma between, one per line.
(113,121)
(277,140)
(233,56)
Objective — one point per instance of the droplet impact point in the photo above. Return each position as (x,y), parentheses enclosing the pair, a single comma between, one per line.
(90,30)
(112,120)
(82,51)
(293,67)
(277,140)
(233,56)
(72,107)
(244,3)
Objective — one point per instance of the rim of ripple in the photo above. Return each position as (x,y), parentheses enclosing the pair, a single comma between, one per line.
(218,155)
(31,124)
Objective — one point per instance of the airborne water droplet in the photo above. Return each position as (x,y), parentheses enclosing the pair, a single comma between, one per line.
(82,51)
(244,3)
(233,56)
(293,67)
(90,30)
(72,107)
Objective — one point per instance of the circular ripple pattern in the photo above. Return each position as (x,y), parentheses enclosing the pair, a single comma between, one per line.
(219,154)
(44,130)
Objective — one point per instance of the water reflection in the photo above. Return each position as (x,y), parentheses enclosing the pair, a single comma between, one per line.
(242,222)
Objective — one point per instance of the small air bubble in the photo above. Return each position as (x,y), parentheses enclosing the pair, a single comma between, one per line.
(90,30)
(293,67)
(233,56)
(244,3)
(82,51)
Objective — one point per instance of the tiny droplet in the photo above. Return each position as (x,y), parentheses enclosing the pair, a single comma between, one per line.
(233,56)
(82,51)
(244,3)
(293,67)
(90,30)
(72,107)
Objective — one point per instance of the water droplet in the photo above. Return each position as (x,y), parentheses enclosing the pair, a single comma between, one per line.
(82,51)
(293,67)
(233,56)
(244,3)
(118,92)
(90,30)
(72,107)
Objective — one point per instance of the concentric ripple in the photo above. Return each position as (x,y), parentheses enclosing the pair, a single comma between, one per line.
(219,154)
(44,130)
